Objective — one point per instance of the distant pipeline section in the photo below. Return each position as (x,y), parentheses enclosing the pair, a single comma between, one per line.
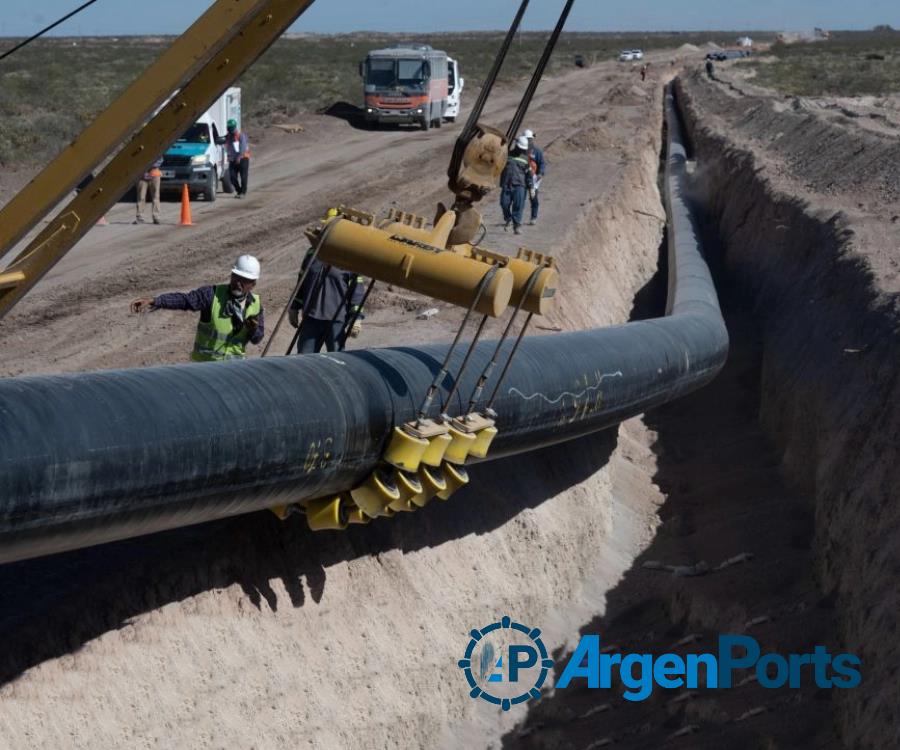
(90,458)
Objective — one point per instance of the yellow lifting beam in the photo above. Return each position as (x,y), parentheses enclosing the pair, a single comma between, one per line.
(214,51)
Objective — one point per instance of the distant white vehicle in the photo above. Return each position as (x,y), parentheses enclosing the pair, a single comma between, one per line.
(637,54)
(454,90)
(626,55)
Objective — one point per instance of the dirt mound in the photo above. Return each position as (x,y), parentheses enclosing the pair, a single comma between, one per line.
(627,95)
(687,49)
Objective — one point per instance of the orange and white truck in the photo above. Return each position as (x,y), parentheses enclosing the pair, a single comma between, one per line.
(406,83)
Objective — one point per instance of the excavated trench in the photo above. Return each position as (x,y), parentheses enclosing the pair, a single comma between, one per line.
(782,472)
(828,317)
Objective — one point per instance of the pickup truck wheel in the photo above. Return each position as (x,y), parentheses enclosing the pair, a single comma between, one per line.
(227,187)
(209,192)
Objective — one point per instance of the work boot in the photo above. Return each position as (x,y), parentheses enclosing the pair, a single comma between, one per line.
(139,220)
(506,227)
(155,220)
(516,229)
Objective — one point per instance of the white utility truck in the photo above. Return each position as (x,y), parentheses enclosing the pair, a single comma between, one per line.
(454,90)
(197,159)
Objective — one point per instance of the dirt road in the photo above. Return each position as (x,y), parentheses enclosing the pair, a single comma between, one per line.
(294,179)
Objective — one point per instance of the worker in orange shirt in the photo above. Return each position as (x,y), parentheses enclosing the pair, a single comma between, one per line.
(150,179)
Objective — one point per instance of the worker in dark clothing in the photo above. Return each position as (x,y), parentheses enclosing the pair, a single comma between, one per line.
(538,166)
(327,297)
(237,147)
(230,314)
(515,181)
(710,70)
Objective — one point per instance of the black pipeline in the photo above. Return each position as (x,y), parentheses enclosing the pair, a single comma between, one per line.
(93,457)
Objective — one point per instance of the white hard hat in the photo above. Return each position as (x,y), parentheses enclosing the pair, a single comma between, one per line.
(528,133)
(522,142)
(247,267)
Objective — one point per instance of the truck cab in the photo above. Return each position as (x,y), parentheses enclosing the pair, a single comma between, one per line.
(406,83)
(454,90)
(198,159)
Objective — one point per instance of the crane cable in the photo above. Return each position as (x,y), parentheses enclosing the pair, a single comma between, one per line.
(538,73)
(46,29)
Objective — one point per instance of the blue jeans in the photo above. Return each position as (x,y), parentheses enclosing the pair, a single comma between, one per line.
(535,204)
(512,203)
(314,334)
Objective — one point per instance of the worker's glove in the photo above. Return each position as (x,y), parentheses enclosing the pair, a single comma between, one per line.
(294,317)
(532,193)
(144,304)
(356,329)
(251,324)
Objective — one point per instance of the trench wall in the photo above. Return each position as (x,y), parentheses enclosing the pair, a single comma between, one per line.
(831,356)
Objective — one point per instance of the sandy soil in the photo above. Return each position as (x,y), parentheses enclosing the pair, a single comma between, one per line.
(254,633)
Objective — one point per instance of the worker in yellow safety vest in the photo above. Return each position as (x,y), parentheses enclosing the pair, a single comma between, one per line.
(230,314)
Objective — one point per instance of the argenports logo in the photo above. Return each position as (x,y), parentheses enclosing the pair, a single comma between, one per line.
(506,663)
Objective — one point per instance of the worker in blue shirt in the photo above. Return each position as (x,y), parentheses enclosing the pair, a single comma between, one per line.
(515,181)
(537,164)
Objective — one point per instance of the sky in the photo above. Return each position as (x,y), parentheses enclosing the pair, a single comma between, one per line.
(24,17)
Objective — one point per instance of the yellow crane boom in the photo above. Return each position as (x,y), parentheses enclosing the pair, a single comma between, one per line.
(200,64)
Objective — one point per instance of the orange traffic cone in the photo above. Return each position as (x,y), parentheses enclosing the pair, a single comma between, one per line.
(186,207)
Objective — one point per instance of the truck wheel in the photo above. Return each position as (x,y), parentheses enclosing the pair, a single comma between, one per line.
(227,187)
(450,119)
(209,192)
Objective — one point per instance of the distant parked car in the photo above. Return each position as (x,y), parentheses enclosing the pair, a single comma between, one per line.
(728,54)
(579,61)
(638,54)
(626,55)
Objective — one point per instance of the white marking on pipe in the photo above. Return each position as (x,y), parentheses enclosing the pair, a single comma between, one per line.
(576,396)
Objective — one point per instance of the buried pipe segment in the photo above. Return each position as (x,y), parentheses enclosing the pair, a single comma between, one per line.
(94,457)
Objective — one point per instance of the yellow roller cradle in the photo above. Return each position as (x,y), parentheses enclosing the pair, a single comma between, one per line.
(437,447)
(326,513)
(433,481)
(459,447)
(409,486)
(456,477)
(483,440)
(405,451)
(374,495)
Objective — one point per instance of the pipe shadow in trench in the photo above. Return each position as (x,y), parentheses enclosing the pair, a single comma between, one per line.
(52,606)
(725,498)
